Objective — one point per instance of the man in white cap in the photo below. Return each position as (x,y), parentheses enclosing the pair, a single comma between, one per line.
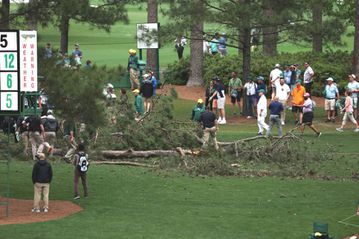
(274,77)
(353,86)
(331,94)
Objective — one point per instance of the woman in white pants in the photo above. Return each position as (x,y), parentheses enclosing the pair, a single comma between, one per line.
(348,108)
(262,112)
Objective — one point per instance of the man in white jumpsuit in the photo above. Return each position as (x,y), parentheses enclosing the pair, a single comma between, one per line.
(262,112)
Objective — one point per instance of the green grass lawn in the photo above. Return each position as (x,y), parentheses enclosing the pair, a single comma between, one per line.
(130,202)
(139,203)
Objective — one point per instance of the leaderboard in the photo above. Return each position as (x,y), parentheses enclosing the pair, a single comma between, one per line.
(18,68)
(9,71)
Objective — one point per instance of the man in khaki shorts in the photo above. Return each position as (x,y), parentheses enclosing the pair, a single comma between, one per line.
(331,94)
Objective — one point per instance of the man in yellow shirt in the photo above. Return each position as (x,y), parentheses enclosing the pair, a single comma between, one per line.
(298,101)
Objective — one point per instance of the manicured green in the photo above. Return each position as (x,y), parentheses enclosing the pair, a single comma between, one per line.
(129,202)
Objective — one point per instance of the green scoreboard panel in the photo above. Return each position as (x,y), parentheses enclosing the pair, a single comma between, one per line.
(9,72)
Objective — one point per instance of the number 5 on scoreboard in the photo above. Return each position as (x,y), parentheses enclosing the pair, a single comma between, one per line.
(9,101)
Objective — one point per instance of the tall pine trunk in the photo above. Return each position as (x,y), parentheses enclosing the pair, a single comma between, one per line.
(64,30)
(245,46)
(318,26)
(32,19)
(270,34)
(356,41)
(5,15)
(152,17)
(196,47)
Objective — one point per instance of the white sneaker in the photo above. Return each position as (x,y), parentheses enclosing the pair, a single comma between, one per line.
(339,129)
(35,210)
(283,123)
(46,209)
(249,117)
(356,130)
(76,197)
(223,122)
(219,120)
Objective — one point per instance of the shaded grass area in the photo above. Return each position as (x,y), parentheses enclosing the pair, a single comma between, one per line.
(137,203)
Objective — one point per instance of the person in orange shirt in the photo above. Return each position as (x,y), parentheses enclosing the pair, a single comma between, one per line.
(298,101)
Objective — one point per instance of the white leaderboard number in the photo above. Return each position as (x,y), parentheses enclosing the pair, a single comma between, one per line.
(8,61)
(9,101)
(8,81)
(8,41)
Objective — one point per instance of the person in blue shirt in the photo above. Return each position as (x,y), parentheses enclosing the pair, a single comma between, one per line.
(275,109)
(77,51)
(331,94)
(287,74)
(222,45)
(260,86)
(154,81)
(48,51)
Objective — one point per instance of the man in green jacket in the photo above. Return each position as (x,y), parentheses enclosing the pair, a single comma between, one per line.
(198,110)
(138,103)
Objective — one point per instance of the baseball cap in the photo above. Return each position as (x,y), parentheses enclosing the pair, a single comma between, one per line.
(260,78)
(145,75)
(298,81)
(50,112)
(277,65)
(136,91)
(330,79)
(200,101)
(109,85)
(307,95)
(352,75)
(76,44)
(261,90)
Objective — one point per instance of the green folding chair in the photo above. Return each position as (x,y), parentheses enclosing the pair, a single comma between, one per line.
(320,231)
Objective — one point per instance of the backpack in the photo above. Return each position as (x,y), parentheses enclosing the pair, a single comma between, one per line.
(51,125)
(83,163)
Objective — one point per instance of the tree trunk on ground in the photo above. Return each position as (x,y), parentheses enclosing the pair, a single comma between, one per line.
(356,41)
(270,35)
(196,49)
(5,14)
(317,25)
(152,17)
(64,30)
(116,154)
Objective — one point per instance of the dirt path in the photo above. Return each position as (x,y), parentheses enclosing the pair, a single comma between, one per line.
(20,211)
